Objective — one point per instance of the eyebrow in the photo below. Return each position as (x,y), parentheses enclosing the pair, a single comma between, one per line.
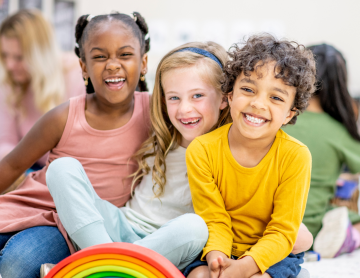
(281,91)
(192,90)
(248,80)
(102,49)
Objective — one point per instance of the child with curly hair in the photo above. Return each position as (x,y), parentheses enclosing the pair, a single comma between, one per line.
(250,180)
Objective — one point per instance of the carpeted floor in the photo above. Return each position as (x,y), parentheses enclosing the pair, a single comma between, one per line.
(344,266)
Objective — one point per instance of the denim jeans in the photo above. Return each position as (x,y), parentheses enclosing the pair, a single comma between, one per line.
(89,220)
(287,268)
(22,253)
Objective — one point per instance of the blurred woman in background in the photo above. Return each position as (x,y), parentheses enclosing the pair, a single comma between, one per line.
(34,76)
(328,128)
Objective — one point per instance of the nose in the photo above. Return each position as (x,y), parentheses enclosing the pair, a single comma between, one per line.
(258,102)
(113,65)
(185,107)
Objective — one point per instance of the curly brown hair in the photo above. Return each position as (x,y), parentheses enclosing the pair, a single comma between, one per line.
(295,65)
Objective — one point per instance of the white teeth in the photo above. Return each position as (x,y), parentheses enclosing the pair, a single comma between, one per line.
(114,79)
(254,120)
(190,122)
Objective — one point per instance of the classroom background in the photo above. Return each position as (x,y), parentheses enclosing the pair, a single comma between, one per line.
(174,22)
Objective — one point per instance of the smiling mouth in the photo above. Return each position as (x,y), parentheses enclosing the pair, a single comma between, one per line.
(191,122)
(114,80)
(115,84)
(255,120)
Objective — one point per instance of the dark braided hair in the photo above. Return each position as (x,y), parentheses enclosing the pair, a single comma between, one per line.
(137,26)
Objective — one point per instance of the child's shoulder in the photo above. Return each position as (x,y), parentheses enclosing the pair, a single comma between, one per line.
(142,95)
(214,136)
(291,147)
(289,140)
(208,142)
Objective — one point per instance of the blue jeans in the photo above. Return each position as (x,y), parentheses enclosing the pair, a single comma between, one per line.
(22,253)
(287,268)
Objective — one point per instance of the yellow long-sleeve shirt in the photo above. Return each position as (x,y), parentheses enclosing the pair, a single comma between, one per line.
(255,211)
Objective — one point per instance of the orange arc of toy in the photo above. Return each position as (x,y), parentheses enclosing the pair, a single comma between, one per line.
(146,255)
(88,259)
(124,264)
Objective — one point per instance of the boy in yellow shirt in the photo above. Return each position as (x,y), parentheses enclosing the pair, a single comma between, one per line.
(249,180)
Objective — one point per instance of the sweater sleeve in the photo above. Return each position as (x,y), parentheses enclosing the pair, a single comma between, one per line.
(9,135)
(207,200)
(350,152)
(289,207)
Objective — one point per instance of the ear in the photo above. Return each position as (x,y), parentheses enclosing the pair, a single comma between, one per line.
(144,62)
(230,97)
(224,103)
(83,68)
(290,115)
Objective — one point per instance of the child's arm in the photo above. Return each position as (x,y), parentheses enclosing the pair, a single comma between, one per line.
(207,200)
(42,137)
(289,207)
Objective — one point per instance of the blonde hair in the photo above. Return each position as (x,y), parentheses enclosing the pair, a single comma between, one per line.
(41,56)
(165,136)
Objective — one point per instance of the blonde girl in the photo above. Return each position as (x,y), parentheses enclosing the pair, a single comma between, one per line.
(34,76)
(187,102)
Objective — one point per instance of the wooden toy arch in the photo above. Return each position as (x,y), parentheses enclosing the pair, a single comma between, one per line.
(115,260)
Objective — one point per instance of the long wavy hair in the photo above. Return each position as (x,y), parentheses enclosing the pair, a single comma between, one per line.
(165,137)
(42,57)
(332,89)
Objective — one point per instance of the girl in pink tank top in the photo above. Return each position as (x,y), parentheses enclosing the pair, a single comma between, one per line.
(102,130)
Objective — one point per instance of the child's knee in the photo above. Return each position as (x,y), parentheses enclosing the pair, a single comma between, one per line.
(304,240)
(60,168)
(200,272)
(194,227)
(17,263)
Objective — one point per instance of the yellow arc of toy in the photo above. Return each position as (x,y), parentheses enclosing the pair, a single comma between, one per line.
(118,269)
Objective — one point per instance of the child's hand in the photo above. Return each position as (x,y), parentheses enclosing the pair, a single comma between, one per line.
(212,259)
(231,268)
(214,268)
(244,268)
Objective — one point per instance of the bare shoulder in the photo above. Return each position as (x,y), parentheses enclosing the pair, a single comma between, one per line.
(55,120)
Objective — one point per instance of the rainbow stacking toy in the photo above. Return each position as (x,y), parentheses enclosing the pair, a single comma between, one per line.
(115,260)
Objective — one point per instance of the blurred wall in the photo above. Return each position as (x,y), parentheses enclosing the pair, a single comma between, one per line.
(228,21)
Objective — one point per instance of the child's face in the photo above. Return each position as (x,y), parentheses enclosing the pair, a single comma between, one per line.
(260,106)
(193,105)
(113,62)
(13,60)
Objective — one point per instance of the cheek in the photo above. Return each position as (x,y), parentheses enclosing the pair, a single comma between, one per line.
(171,110)
(237,105)
(210,111)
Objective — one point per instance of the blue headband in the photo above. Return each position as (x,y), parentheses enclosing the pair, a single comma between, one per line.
(202,52)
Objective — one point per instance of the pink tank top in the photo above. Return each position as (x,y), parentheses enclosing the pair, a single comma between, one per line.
(106,156)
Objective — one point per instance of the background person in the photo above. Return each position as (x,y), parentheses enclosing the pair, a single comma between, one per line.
(328,128)
(34,76)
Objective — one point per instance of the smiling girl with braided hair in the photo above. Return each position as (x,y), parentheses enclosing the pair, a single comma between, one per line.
(102,130)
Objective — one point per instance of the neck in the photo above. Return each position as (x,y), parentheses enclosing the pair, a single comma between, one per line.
(248,152)
(110,109)
(314,105)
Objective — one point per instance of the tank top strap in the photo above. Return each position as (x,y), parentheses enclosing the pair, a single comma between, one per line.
(76,104)
(145,102)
